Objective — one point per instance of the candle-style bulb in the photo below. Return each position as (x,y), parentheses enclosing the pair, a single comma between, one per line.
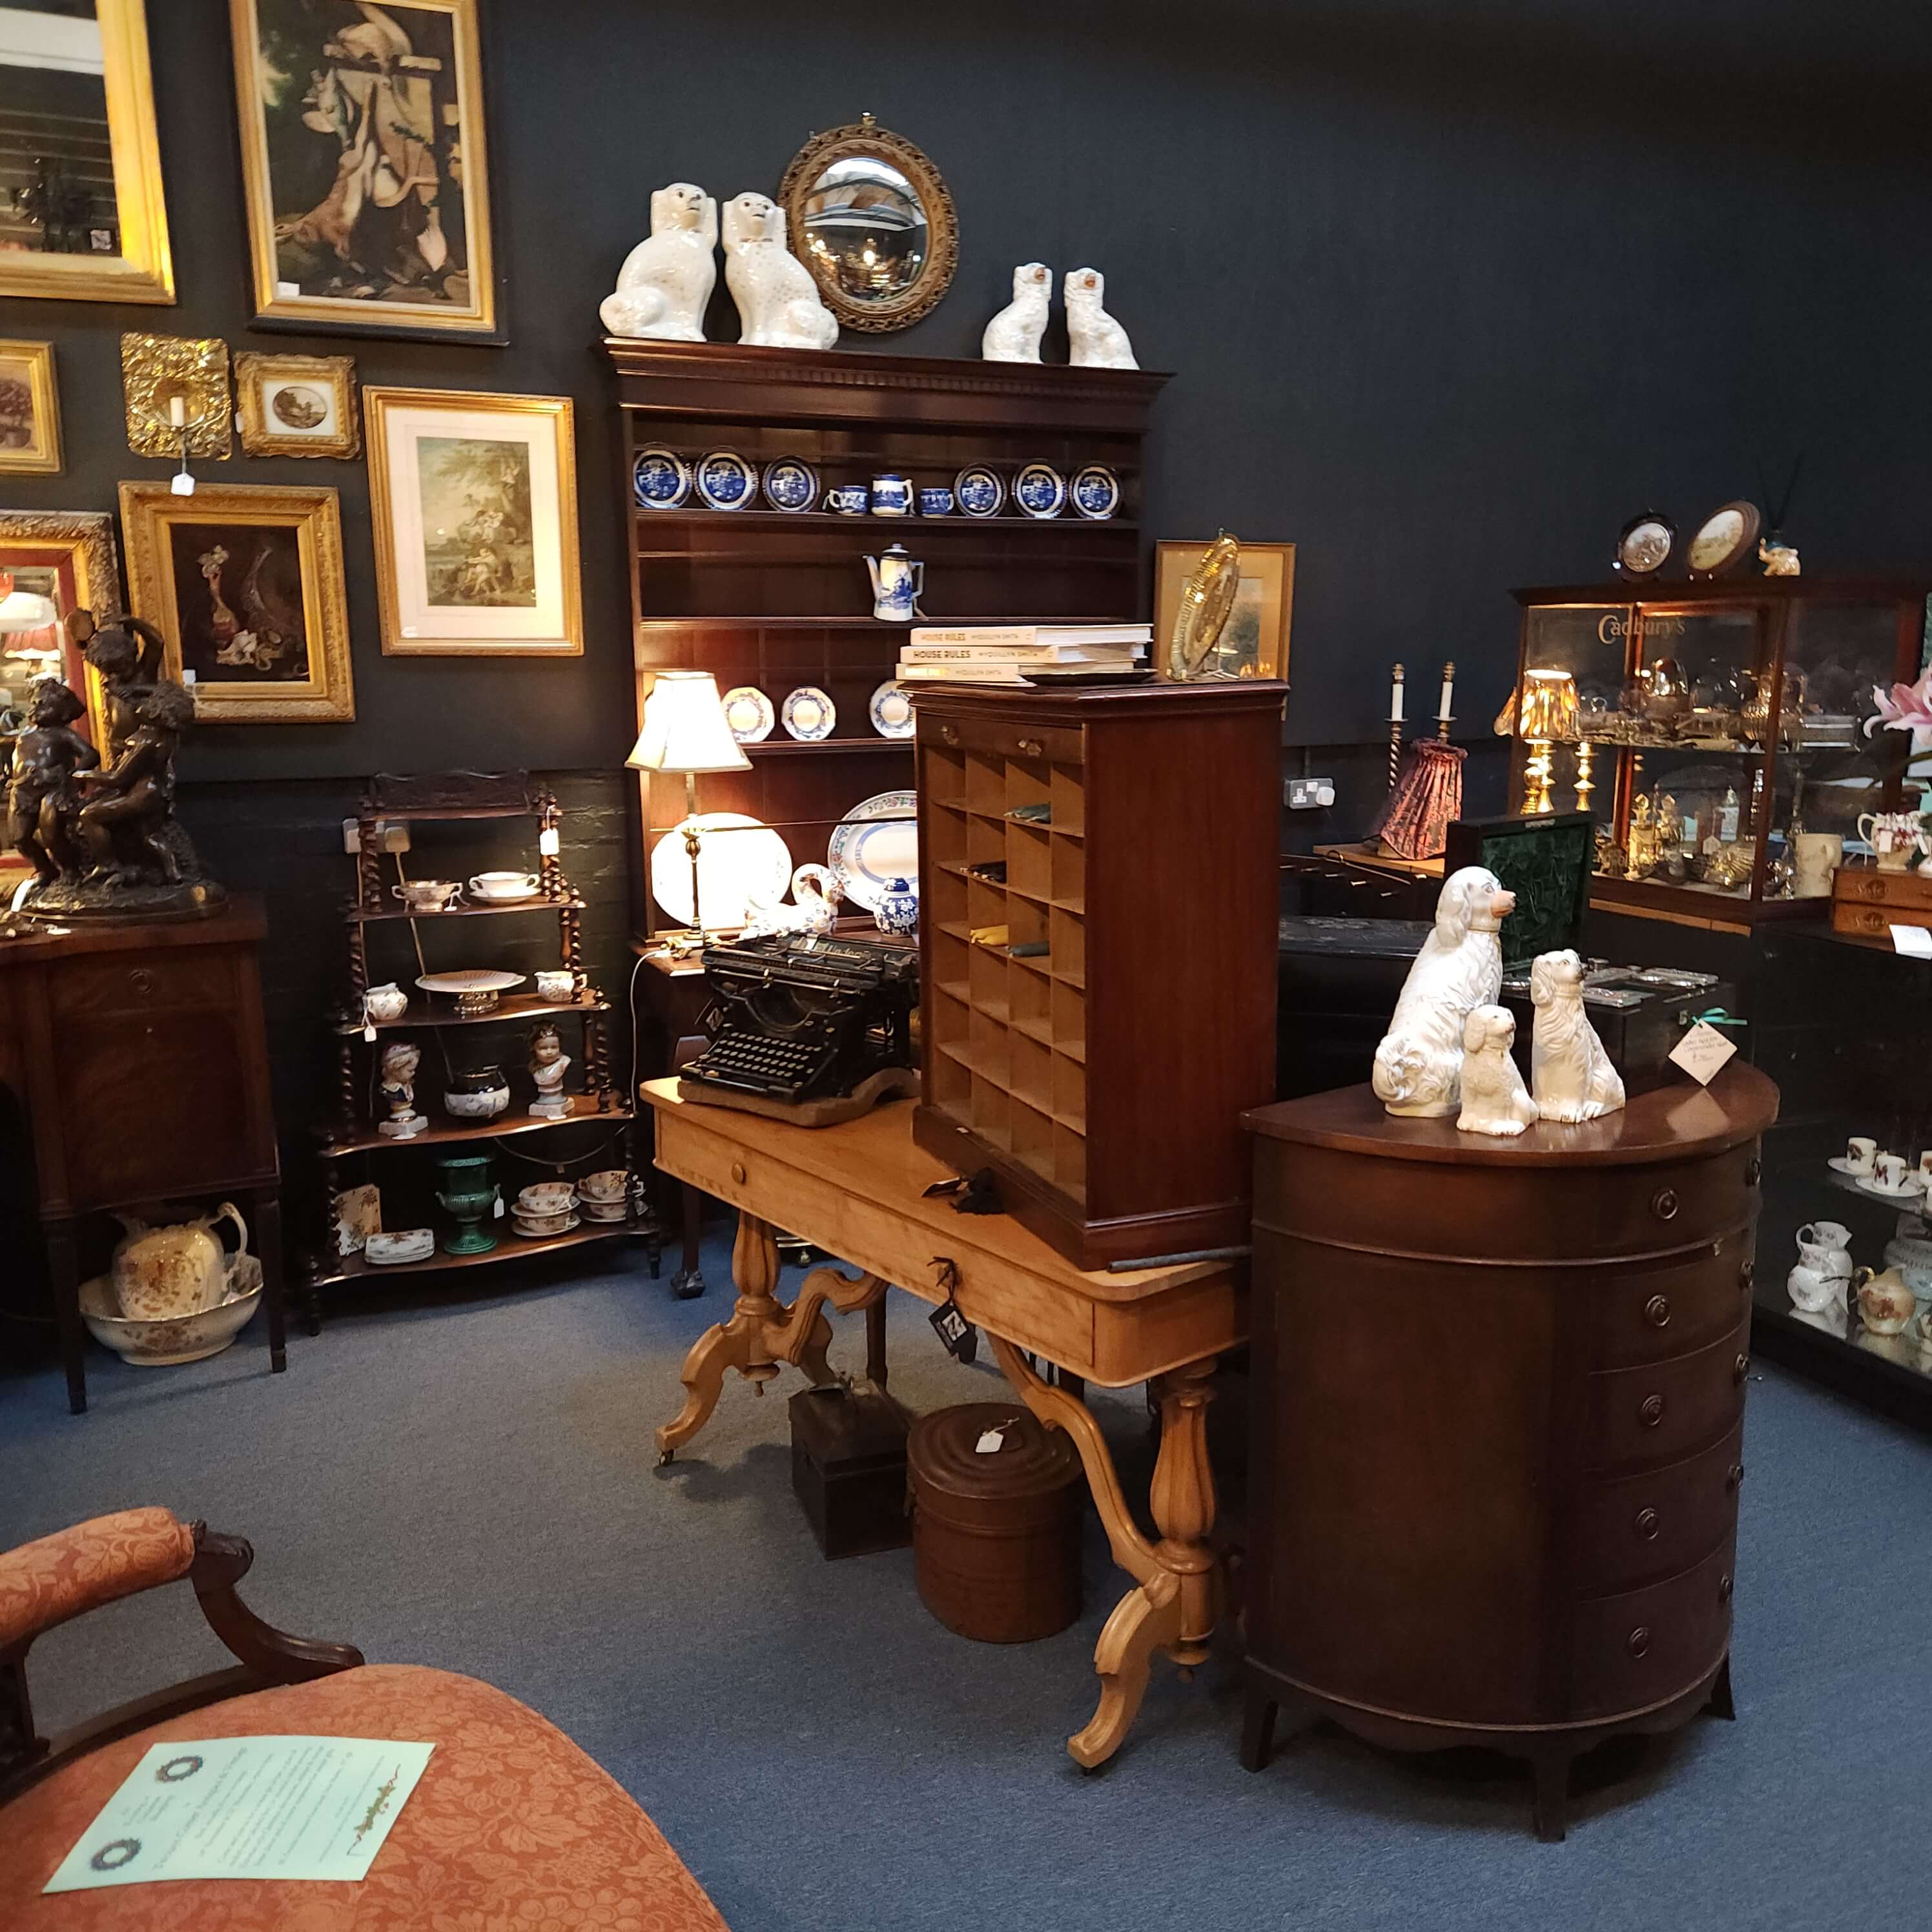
(1395,698)
(178,411)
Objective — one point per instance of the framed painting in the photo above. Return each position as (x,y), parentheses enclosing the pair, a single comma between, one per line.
(1254,641)
(81,214)
(298,405)
(30,443)
(244,582)
(364,159)
(473,500)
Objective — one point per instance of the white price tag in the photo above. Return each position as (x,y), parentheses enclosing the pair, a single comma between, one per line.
(1702,1053)
(188,678)
(497,1211)
(284,290)
(992,1442)
(550,841)
(183,484)
(1914,941)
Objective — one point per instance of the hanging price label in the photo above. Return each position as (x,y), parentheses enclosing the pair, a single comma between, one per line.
(1702,1053)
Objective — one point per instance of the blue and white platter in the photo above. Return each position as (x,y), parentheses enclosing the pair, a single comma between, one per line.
(725,480)
(790,485)
(808,714)
(749,713)
(979,492)
(891,710)
(1040,490)
(1096,492)
(876,843)
(659,478)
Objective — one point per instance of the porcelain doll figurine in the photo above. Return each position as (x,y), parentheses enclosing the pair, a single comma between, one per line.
(667,278)
(549,1064)
(1570,1073)
(778,300)
(1013,335)
(398,1089)
(1419,1064)
(1495,1100)
(1099,341)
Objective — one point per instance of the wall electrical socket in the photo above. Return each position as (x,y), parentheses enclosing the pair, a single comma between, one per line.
(1309,794)
(389,837)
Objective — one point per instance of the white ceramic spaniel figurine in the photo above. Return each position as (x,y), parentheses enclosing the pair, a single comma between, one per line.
(1419,1064)
(1570,1073)
(1013,335)
(1495,1100)
(1099,341)
(668,277)
(778,300)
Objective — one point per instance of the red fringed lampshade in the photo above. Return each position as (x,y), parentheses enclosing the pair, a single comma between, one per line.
(1427,794)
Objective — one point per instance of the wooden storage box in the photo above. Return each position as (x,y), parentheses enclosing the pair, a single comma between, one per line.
(996,1537)
(1869,903)
(848,1469)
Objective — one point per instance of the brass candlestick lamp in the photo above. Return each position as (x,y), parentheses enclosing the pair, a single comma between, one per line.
(1546,716)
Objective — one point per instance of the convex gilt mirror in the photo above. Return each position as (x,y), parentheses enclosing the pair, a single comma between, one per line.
(869,216)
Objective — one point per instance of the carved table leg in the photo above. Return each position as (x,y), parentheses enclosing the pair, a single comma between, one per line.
(1171,1608)
(687,1283)
(763,1332)
(64,1273)
(1551,1771)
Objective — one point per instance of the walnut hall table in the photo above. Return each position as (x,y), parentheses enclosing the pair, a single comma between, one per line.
(855,1190)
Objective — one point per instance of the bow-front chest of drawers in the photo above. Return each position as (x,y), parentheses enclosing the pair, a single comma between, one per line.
(1498,1417)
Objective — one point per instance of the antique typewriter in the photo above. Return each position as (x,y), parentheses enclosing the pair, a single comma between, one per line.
(801,1017)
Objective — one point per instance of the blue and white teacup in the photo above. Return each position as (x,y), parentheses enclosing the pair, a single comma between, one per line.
(935,502)
(892,496)
(847,500)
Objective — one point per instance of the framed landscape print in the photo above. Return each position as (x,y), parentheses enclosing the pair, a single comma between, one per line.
(66,556)
(1254,641)
(473,499)
(363,154)
(30,443)
(82,216)
(298,405)
(244,581)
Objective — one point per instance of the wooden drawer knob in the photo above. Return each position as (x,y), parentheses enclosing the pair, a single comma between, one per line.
(950,732)
(1746,1273)
(1030,748)
(1740,1367)
(1638,1642)
(1664,1203)
(142,980)
(1650,1411)
(1724,1589)
(738,1172)
(1657,1311)
(1646,1525)
(1734,1478)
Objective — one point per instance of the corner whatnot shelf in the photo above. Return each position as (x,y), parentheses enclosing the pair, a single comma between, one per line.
(463,797)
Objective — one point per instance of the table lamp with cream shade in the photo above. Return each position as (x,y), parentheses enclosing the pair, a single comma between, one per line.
(1546,715)
(685,730)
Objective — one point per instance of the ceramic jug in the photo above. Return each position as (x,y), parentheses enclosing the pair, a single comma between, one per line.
(1813,1293)
(1886,1302)
(160,1273)
(897,581)
(1824,1247)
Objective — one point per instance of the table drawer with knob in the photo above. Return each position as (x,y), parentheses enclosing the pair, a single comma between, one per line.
(1005,738)
(1640,1647)
(1655,1524)
(1672,1307)
(1677,1202)
(1658,1410)
(80,990)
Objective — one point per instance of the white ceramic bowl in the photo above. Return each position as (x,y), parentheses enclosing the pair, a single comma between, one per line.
(183,1338)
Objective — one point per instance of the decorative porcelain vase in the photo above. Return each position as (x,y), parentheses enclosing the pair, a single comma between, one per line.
(160,1273)
(467,1195)
(897,582)
(386,1002)
(898,911)
(667,278)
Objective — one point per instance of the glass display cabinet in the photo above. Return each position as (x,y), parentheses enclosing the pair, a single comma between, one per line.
(1707,725)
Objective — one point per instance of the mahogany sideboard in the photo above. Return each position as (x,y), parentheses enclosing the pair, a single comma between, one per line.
(139,1054)
(1499,1397)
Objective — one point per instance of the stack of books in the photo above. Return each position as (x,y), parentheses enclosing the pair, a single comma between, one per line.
(1004,653)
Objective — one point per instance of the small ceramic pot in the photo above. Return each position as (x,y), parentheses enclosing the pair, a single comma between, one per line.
(935,502)
(427,895)
(478,1095)
(898,910)
(386,1002)
(891,496)
(1886,1302)
(557,986)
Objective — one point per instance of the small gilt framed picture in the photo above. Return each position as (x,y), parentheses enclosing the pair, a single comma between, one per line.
(30,441)
(1254,641)
(298,405)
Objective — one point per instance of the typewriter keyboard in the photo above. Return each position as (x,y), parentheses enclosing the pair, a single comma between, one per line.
(784,1068)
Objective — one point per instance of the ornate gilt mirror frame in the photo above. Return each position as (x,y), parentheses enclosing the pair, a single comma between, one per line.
(866,138)
(143,272)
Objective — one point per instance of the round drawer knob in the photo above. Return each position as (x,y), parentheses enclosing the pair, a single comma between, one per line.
(1646,1525)
(738,1172)
(1664,1203)
(1650,1411)
(1657,1311)
(1734,1477)
(1638,1642)
(1724,1589)
(1740,1367)
(1030,748)
(1754,1172)
(141,979)
(1746,1273)
(950,732)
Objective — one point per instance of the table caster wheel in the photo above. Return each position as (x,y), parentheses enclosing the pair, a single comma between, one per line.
(665,1457)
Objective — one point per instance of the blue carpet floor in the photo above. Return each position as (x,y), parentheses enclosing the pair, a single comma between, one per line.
(471,1483)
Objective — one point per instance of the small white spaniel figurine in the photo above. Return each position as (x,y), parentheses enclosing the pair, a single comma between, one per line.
(778,300)
(1097,339)
(1495,1100)
(1419,1063)
(1013,335)
(668,277)
(1569,1072)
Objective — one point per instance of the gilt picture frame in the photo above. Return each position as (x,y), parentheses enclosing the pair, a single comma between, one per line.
(298,405)
(365,165)
(245,583)
(1254,641)
(472,499)
(69,557)
(92,247)
(30,435)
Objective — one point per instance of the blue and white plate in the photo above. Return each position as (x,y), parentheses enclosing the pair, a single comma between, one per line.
(875,844)
(891,710)
(1096,492)
(979,492)
(790,485)
(659,478)
(1040,490)
(809,714)
(749,713)
(725,480)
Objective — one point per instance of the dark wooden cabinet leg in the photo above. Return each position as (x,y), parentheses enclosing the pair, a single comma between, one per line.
(688,1284)
(1257,1716)
(1720,1704)
(875,1343)
(267,1205)
(63,1272)
(1551,1772)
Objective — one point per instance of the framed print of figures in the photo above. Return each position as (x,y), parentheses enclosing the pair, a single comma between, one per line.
(82,216)
(473,502)
(30,443)
(363,152)
(65,558)
(298,405)
(1254,641)
(244,581)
